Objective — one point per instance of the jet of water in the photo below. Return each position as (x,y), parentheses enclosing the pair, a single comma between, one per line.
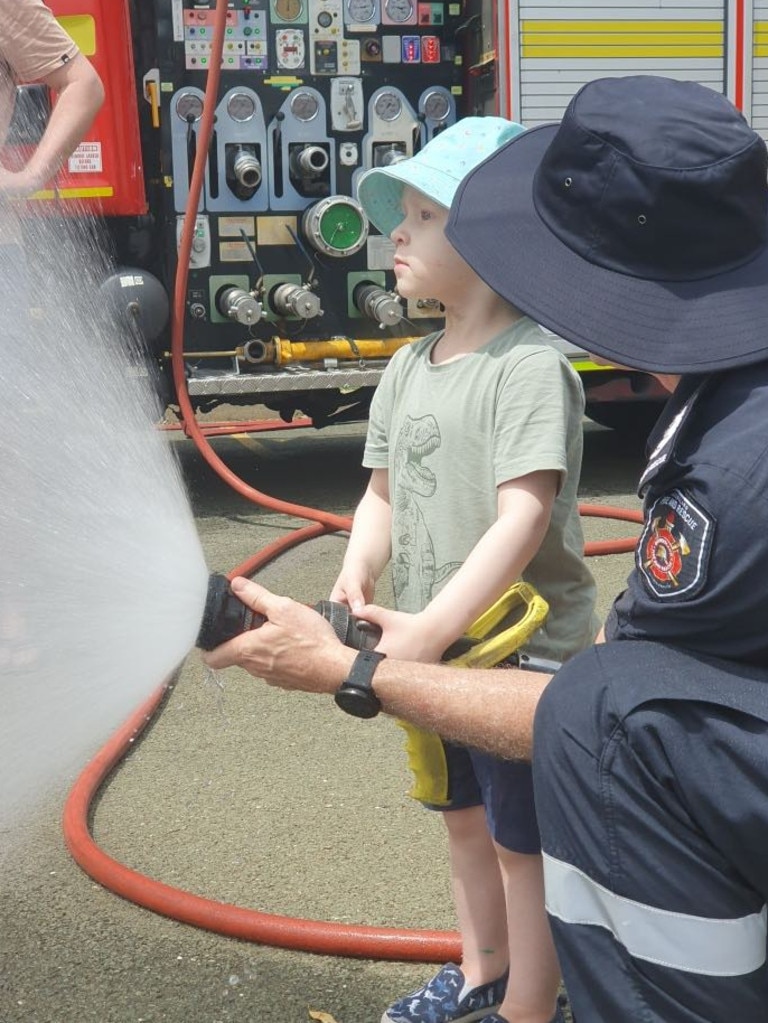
(102,577)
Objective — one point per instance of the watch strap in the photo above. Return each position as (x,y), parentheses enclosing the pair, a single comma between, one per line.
(356,695)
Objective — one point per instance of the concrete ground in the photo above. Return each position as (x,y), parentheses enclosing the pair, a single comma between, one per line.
(250,796)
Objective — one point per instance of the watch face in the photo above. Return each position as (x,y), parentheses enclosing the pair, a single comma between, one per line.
(360,703)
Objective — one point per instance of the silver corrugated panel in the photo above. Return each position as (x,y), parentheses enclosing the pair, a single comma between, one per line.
(556,48)
(758,81)
(298,378)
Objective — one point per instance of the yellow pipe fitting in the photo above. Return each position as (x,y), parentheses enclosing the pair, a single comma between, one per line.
(342,348)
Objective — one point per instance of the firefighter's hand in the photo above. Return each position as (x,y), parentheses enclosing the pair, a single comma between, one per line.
(294,649)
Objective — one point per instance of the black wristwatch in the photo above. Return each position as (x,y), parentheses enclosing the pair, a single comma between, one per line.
(355,695)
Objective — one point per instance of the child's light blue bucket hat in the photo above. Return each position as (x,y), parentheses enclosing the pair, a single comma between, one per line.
(437,170)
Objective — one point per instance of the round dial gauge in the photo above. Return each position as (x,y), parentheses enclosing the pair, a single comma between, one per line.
(361,10)
(289,10)
(437,106)
(325,19)
(304,105)
(241,106)
(336,226)
(398,10)
(388,105)
(189,107)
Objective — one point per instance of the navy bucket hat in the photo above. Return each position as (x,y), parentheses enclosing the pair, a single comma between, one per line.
(636,228)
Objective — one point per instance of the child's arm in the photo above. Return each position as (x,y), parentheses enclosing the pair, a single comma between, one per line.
(494,563)
(369,545)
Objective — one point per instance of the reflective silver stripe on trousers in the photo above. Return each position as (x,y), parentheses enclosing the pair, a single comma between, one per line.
(695,944)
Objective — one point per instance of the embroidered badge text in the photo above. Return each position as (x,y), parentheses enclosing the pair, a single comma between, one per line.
(673,551)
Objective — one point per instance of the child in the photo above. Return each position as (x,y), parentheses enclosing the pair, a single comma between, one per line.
(475,445)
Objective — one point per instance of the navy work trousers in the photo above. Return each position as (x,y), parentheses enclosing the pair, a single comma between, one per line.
(651,782)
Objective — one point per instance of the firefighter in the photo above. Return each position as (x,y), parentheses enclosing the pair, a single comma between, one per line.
(34,48)
(637,228)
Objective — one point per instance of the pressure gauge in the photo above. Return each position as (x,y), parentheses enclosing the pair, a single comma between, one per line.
(241,106)
(398,10)
(289,10)
(189,107)
(336,226)
(361,10)
(304,105)
(388,105)
(437,106)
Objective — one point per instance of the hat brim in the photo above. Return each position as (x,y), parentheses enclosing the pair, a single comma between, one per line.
(659,326)
(380,191)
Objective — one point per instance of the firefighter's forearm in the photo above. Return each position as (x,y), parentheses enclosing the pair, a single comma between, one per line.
(492,710)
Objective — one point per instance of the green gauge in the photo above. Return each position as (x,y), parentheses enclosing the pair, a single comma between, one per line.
(336,226)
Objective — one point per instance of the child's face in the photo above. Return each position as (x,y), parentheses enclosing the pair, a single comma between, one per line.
(426,264)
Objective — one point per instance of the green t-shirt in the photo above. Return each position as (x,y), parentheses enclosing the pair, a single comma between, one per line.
(449,435)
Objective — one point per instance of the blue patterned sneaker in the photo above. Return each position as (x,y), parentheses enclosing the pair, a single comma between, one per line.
(441,1001)
(496,1018)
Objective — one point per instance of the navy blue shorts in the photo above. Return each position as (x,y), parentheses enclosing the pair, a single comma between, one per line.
(503,787)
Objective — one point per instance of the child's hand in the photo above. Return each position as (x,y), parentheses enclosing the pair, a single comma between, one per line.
(405,637)
(355,587)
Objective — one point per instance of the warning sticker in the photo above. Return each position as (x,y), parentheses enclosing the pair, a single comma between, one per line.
(86,159)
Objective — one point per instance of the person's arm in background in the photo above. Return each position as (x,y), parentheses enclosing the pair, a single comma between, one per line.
(80,94)
(494,563)
(297,649)
(369,545)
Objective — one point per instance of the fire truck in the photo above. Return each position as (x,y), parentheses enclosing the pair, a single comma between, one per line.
(288,292)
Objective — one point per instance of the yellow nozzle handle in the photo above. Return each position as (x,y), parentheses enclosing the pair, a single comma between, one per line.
(425,750)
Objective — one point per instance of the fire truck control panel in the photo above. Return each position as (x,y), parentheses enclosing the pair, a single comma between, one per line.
(289,298)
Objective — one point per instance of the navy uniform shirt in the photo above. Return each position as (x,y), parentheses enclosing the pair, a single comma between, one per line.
(700,580)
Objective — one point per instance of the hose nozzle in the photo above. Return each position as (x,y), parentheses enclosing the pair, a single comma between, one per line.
(225,616)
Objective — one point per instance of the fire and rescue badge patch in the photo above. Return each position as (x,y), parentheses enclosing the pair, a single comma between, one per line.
(673,550)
